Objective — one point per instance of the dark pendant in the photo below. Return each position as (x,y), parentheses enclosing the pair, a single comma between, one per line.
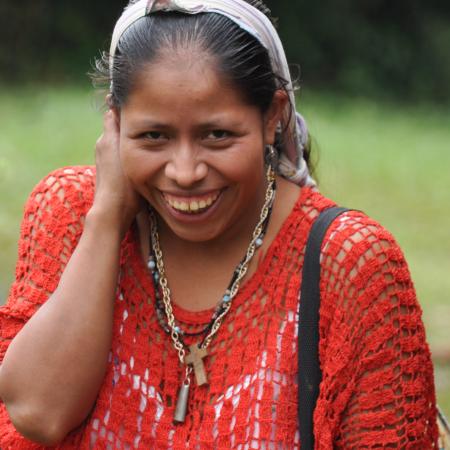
(182,402)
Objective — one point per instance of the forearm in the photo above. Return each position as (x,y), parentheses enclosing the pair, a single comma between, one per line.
(55,365)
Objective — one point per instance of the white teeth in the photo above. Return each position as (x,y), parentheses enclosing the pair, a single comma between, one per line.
(192,206)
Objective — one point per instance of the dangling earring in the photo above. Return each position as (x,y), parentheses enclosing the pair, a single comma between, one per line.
(271,156)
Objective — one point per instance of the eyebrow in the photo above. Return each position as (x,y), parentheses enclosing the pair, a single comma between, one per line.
(220,124)
(145,123)
(214,123)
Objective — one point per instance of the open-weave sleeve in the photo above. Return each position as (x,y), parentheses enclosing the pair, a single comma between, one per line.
(51,227)
(376,363)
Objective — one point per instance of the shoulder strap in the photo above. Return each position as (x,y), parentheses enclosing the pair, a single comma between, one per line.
(309,373)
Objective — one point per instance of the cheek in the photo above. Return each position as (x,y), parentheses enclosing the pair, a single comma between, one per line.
(247,174)
(244,162)
(137,166)
(126,156)
(251,169)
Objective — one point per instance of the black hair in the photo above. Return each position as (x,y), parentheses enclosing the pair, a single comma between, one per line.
(241,58)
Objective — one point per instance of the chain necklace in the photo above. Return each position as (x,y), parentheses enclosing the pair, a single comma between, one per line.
(194,360)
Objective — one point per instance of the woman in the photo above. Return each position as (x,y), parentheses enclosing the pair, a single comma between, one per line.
(156,298)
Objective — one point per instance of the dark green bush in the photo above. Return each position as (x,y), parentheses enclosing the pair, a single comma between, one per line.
(396,49)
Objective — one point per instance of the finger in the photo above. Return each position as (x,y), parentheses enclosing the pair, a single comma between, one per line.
(110,136)
(109,101)
(116,115)
(110,123)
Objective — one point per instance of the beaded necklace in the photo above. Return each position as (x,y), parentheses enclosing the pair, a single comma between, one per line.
(163,304)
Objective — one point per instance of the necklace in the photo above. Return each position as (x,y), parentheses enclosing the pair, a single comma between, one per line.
(197,352)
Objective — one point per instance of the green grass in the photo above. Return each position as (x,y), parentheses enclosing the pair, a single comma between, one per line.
(41,129)
(390,161)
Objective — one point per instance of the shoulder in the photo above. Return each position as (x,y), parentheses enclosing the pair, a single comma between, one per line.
(352,235)
(63,190)
(362,267)
(66,180)
(356,244)
(54,213)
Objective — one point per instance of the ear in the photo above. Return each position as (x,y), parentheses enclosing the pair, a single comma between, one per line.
(273,116)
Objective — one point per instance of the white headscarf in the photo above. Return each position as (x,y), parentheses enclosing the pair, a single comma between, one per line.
(292,164)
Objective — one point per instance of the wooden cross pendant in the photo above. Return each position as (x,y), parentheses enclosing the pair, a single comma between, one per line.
(195,359)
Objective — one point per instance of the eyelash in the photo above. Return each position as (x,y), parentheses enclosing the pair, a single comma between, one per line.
(224,134)
(149,136)
(157,135)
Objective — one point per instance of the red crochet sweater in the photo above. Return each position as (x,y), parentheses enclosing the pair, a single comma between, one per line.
(377,389)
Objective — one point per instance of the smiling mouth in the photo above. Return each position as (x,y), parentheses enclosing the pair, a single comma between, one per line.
(191,205)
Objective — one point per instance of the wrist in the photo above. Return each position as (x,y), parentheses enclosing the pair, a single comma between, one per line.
(105,221)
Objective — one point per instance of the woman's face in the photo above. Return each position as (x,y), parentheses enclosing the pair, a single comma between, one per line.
(194,149)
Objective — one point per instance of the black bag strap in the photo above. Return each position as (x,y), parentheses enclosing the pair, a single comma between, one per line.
(309,373)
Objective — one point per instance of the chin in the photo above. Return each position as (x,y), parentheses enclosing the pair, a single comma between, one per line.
(195,233)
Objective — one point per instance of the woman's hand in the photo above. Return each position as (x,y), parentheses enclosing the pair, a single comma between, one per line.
(115,199)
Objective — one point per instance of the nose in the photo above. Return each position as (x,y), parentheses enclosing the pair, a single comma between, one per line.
(185,168)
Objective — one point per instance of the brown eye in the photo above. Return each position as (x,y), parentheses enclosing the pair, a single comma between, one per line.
(154,135)
(218,134)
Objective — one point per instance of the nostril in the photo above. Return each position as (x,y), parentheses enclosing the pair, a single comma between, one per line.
(186,174)
(202,170)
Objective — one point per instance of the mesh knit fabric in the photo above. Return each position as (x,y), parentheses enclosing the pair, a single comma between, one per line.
(377,389)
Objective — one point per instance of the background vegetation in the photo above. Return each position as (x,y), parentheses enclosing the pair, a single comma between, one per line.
(376,47)
(376,94)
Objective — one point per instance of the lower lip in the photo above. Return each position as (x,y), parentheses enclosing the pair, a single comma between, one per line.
(193,217)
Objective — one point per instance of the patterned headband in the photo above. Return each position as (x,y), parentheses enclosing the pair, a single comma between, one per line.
(292,164)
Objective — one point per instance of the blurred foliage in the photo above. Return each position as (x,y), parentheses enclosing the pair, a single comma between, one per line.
(390,48)
(395,49)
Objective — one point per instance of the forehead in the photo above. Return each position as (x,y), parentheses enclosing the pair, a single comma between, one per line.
(187,81)
(184,66)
